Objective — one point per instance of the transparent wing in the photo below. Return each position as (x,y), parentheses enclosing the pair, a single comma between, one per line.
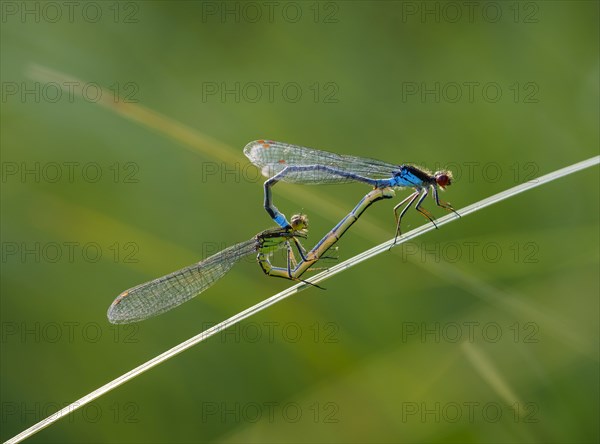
(163,294)
(272,157)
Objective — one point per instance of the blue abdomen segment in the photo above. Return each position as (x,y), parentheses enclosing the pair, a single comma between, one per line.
(281,221)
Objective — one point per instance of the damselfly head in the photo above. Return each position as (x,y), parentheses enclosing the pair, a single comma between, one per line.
(443,178)
(299,222)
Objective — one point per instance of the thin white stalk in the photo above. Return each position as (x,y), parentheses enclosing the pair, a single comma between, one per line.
(296,289)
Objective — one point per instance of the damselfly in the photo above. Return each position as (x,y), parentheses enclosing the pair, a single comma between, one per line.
(163,294)
(167,292)
(296,164)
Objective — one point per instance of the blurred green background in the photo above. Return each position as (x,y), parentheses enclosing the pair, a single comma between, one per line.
(483,331)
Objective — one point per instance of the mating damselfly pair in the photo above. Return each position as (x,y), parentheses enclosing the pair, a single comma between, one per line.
(295,164)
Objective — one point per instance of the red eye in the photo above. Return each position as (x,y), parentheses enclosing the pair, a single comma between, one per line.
(443,180)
